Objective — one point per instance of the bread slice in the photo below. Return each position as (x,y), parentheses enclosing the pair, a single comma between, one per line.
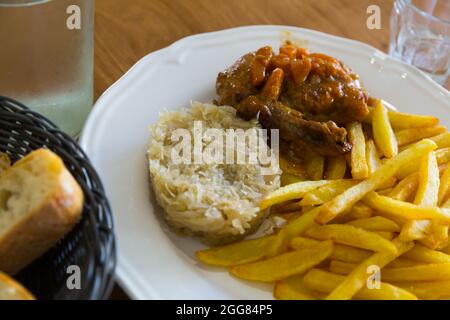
(12,290)
(40,202)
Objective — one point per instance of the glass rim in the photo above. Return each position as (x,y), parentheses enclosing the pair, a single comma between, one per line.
(424,13)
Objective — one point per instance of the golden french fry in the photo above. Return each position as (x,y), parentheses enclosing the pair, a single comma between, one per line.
(415,230)
(406,189)
(401,120)
(336,168)
(407,136)
(358,277)
(302,242)
(385,234)
(376,224)
(428,189)
(407,210)
(360,211)
(442,140)
(374,162)
(346,267)
(444,186)
(347,199)
(288,178)
(340,252)
(386,192)
(295,227)
(341,267)
(402,263)
(423,254)
(327,192)
(237,253)
(427,195)
(358,161)
(425,272)
(372,158)
(382,131)
(442,157)
(437,236)
(285,265)
(351,236)
(290,192)
(326,282)
(446,205)
(292,168)
(315,165)
(427,290)
(294,289)
(422,272)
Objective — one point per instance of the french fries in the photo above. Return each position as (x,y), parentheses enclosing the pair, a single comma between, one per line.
(356,137)
(444,186)
(285,265)
(290,192)
(426,255)
(315,165)
(340,252)
(407,210)
(326,282)
(376,224)
(426,272)
(407,136)
(336,168)
(360,211)
(352,236)
(427,290)
(237,253)
(294,289)
(442,140)
(401,120)
(358,276)
(339,227)
(345,200)
(427,195)
(295,227)
(292,168)
(406,189)
(382,131)
(428,189)
(442,157)
(327,192)
(372,158)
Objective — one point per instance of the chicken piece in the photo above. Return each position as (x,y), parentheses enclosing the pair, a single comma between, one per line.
(325,138)
(302,94)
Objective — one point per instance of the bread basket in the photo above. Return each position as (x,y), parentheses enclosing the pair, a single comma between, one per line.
(91,244)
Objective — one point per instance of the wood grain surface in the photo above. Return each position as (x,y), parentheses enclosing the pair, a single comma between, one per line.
(127,30)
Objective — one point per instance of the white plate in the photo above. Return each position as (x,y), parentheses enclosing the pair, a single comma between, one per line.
(153,262)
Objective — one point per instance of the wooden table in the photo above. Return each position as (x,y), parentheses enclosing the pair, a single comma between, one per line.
(125,31)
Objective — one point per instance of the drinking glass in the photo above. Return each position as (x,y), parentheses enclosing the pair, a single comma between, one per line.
(46,58)
(420,35)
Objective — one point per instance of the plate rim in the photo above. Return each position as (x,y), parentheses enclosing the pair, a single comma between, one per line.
(95,115)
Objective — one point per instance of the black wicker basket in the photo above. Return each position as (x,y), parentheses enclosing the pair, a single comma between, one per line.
(91,244)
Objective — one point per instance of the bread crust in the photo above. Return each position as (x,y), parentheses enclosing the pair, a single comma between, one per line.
(39,230)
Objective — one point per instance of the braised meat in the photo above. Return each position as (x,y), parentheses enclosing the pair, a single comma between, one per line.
(307,96)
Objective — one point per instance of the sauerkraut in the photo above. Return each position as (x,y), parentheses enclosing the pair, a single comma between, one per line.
(217,202)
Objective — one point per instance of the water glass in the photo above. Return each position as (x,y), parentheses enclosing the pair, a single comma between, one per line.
(46,57)
(420,35)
